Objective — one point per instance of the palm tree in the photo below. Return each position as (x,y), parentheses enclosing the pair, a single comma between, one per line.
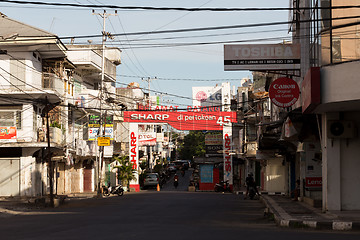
(126,173)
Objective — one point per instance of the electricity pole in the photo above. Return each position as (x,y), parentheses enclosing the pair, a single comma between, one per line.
(101,131)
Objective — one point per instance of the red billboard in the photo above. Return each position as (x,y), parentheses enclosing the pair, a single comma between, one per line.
(183,120)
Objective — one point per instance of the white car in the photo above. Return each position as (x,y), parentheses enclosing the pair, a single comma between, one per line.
(151,180)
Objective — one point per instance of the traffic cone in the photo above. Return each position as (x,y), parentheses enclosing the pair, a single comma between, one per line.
(158,188)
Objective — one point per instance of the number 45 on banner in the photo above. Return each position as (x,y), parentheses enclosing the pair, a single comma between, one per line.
(224,121)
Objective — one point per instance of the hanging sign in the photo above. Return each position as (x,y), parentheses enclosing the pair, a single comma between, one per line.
(284,92)
(183,120)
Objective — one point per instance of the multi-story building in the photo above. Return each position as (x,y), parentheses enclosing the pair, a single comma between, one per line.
(39,80)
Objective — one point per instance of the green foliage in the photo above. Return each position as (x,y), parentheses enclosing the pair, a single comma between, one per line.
(56,124)
(158,168)
(125,171)
(193,145)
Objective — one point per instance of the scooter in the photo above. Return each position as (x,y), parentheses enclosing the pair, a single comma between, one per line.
(223,186)
(119,190)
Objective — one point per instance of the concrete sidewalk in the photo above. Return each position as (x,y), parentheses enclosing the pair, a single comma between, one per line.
(288,213)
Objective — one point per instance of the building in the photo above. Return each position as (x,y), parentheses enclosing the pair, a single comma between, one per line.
(47,85)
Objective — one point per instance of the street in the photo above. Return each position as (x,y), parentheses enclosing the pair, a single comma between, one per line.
(157,215)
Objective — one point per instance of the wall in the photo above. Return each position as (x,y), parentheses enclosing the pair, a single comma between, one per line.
(341,167)
(275,176)
(350,167)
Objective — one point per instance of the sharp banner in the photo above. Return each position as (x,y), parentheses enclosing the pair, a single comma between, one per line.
(183,120)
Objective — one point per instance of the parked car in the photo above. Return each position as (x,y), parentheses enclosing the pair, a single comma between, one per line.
(151,180)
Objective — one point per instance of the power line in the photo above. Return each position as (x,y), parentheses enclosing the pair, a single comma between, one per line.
(173,8)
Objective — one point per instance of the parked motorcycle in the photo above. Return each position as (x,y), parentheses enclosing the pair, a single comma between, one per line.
(223,186)
(119,190)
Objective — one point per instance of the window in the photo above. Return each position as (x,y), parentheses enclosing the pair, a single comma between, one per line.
(17,71)
(10,119)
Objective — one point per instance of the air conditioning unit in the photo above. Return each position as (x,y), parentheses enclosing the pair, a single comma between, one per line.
(341,129)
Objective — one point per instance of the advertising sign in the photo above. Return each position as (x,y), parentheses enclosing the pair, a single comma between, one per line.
(183,120)
(206,173)
(311,90)
(313,182)
(7,134)
(262,57)
(213,139)
(227,147)
(103,141)
(207,96)
(93,133)
(147,138)
(284,92)
(214,149)
(134,154)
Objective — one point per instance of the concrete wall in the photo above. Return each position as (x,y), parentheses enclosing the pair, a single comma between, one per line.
(341,167)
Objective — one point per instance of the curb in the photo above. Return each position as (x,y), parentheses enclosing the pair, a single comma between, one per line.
(283,219)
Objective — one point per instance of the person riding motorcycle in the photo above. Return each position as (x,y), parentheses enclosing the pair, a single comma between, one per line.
(176,180)
(250,182)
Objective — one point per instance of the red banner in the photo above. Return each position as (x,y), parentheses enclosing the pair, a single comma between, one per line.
(183,120)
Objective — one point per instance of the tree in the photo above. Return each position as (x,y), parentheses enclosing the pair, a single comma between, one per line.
(126,173)
(193,145)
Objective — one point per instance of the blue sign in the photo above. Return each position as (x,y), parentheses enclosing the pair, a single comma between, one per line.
(206,173)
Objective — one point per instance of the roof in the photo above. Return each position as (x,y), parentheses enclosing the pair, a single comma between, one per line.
(10,27)
(14,34)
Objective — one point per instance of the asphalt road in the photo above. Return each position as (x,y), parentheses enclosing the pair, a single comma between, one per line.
(156,215)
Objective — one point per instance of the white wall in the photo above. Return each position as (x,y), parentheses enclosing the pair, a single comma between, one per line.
(275,176)
(341,166)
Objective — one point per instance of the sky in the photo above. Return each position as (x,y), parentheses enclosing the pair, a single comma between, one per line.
(176,68)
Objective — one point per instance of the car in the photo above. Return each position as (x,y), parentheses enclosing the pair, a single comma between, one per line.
(151,180)
(171,167)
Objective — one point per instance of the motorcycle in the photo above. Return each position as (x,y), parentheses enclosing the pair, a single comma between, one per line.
(252,192)
(119,190)
(176,183)
(223,186)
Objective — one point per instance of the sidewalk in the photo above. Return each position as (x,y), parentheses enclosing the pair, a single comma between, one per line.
(288,213)
(10,206)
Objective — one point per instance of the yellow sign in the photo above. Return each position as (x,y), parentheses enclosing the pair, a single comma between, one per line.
(103,141)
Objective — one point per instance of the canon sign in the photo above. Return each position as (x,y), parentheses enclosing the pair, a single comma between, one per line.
(284,92)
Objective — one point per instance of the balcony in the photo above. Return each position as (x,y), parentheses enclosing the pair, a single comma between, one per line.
(89,59)
(51,81)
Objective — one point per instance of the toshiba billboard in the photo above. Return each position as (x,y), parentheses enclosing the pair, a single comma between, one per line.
(262,57)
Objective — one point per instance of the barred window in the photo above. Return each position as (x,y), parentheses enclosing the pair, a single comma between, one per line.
(10,119)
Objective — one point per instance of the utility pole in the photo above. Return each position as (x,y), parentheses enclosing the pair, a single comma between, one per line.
(148,80)
(101,131)
(51,169)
